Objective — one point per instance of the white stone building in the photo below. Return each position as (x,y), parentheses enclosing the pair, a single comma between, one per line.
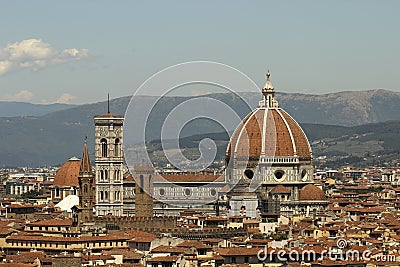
(109,164)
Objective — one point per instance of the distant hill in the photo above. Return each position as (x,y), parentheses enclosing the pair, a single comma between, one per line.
(362,145)
(344,108)
(54,137)
(375,143)
(17,109)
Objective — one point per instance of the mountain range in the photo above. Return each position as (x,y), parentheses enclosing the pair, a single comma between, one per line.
(333,145)
(18,109)
(52,137)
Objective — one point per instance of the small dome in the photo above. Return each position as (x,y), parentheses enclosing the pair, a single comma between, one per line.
(67,174)
(312,193)
(280,189)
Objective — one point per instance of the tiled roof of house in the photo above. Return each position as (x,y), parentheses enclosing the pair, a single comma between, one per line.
(51,222)
(195,244)
(163,259)
(238,251)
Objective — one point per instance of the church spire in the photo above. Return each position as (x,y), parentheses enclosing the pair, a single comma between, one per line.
(108,103)
(87,190)
(85,161)
(269,94)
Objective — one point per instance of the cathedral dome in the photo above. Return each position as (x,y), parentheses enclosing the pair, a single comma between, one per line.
(270,131)
(311,193)
(67,174)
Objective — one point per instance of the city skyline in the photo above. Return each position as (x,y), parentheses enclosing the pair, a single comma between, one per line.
(199,134)
(63,53)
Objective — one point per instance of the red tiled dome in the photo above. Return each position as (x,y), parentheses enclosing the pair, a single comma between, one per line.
(67,174)
(311,193)
(271,131)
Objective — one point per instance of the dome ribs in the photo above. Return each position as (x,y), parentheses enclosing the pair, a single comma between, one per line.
(67,174)
(270,131)
(300,139)
(251,131)
(284,146)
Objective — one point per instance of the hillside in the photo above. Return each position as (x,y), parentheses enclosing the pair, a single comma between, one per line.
(344,108)
(18,109)
(332,145)
(54,137)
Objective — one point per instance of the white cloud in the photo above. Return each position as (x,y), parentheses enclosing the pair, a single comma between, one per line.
(35,54)
(21,96)
(28,96)
(28,50)
(24,95)
(65,98)
(34,65)
(5,66)
(71,54)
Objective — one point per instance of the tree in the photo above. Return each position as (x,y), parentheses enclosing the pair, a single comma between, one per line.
(30,194)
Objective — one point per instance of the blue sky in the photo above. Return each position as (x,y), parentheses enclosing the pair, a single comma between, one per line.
(96,47)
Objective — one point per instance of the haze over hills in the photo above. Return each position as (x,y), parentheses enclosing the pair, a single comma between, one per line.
(344,108)
(17,109)
(56,136)
(363,145)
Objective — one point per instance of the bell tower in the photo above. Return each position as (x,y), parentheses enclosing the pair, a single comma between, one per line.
(109,164)
(87,189)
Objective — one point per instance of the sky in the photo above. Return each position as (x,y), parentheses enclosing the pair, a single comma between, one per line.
(78,51)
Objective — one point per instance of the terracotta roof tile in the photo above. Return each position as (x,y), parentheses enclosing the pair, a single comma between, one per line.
(163,259)
(195,244)
(14,264)
(26,257)
(168,249)
(51,222)
(67,174)
(238,251)
(310,193)
(109,115)
(23,236)
(280,189)
(128,254)
(281,127)
(140,236)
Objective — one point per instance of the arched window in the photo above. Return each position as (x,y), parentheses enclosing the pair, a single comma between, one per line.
(101,195)
(103,143)
(85,189)
(106,175)
(105,195)
(116,147)
(141,183)
(101,175)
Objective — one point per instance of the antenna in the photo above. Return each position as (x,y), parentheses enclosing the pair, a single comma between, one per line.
(108,103)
